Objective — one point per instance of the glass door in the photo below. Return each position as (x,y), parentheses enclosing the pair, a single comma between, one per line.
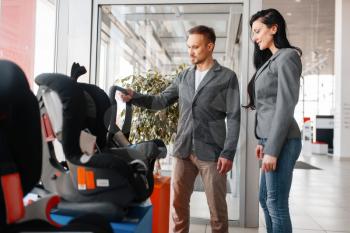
(135,38)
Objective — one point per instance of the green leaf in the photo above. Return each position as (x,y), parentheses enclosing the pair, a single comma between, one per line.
(146,124)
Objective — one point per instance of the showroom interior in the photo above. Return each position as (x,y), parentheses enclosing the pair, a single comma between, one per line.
(118,41)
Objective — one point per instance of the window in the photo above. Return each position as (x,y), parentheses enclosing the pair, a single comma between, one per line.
(136,38)
(27,32)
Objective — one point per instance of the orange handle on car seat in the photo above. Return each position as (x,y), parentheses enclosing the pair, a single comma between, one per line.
(90,180)
(86,179)
(81,178)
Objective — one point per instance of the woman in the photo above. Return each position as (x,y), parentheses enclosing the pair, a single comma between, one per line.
(274,92)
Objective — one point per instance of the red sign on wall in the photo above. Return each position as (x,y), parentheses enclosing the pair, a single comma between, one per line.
(17,34)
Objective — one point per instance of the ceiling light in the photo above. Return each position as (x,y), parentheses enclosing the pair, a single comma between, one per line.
(289,13)
(298,0)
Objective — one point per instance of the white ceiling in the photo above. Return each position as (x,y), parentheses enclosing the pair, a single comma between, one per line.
(169,25)
(310,25)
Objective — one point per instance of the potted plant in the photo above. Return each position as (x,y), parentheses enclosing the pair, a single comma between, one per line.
(149,124)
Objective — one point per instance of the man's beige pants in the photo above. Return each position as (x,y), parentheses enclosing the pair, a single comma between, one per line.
(182,184)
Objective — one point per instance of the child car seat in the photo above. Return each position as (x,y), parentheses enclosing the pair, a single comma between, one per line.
(111,178)
(20,162)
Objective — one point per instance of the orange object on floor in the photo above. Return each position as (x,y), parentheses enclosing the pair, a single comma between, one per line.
(160,199)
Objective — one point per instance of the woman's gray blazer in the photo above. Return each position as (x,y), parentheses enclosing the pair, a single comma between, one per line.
(277,85)
(201,127)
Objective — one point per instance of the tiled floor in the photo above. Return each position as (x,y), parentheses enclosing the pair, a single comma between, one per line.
(199,208)
(319,201)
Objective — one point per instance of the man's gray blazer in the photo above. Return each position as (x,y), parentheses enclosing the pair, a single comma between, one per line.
(277,85)
(201,126)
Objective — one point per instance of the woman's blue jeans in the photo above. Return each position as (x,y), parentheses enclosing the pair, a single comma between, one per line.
(275,187)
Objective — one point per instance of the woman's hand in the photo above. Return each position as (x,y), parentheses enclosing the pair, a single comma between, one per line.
(259,152)
(269,163)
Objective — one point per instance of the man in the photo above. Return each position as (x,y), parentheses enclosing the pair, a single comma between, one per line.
(208,93)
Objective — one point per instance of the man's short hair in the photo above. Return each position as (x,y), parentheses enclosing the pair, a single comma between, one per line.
(208,32)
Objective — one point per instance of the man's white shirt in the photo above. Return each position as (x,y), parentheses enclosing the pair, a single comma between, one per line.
(199,75)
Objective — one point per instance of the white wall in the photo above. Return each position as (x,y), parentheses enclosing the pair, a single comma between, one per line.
(251,203)
(74,35)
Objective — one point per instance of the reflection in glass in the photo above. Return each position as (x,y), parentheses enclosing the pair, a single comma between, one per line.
(137,38)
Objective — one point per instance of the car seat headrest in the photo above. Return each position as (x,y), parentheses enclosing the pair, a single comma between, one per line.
(73,104)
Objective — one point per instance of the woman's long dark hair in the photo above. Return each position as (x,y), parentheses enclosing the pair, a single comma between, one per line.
(269,17)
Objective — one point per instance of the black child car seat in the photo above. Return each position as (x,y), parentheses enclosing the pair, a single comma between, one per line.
(106,180)
(20,162)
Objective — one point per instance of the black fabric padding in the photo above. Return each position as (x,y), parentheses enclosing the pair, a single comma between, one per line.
(119,163)
(21,149)
(7,165)
(30,226)
(89,222)
(26,142)
(12,79)
(99,126)
(87,106)
(22,128)
(112,212)
(93,223)
(74,111)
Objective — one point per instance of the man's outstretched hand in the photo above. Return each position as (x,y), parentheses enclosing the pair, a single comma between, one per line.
(126,98)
